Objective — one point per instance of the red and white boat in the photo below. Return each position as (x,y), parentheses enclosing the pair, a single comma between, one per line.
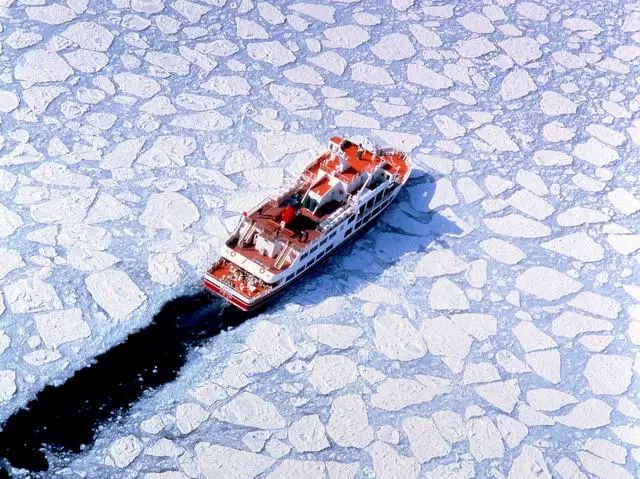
(283,237)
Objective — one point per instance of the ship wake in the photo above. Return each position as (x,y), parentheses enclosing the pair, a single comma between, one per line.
(66,417)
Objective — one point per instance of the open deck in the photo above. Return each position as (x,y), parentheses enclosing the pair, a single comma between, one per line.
(301,231)
(238,279)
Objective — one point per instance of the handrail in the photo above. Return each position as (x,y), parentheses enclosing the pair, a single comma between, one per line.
(282,256)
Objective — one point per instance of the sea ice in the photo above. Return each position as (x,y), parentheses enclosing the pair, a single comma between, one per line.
(124,451)
(609,373)
(576,245)
(394,46)
(547,283)
(530,464)
(169,210)
(425,439)
(388,464)
(522,49)
(517,84)
(134,138)
(189,416)
(446,295)
(345,36)
(60,327)
(7,384)
(31,296)
(248,409)
(590,414)
(308,434)
(394,394)
(115,292)
(348,422)
(548,399)
(485,441)
(332,372)
(41,66)
(214,460)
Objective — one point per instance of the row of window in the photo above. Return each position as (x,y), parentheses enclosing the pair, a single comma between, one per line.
(322,242)
(307,266)
(366,217)
(380,195)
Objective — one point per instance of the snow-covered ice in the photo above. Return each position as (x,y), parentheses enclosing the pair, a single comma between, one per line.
(487,327)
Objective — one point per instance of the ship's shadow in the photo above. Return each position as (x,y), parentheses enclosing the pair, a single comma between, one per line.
(65,418)
(407,226)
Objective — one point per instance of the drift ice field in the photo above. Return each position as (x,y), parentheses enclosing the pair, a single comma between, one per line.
(486,326)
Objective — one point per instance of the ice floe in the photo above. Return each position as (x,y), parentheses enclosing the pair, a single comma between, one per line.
(169,210)
(308,434)
(332,372)
(547,283)
(348,422)
(609,373)
(576,245)
(115,292)
(60,327)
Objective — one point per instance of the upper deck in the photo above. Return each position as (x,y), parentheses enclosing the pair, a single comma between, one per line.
(334,181)
(360,160)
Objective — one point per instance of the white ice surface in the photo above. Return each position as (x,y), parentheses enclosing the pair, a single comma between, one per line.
(487,327)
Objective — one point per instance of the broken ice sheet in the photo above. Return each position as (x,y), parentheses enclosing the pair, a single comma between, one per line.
(495,301)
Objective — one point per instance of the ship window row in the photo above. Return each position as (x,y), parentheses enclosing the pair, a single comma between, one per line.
(313,250)
(369,214)
(375,200)
(381,194)
(306,267)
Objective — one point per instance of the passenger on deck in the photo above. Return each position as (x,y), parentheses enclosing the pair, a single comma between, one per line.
(293,200)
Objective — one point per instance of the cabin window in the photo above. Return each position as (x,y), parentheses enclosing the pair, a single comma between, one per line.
(332,234)
(348,232)
(309,203)
(313,249)
(353,217)
(369,203)
(304,255)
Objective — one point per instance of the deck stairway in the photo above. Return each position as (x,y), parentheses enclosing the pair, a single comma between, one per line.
(247,234)
(283,255)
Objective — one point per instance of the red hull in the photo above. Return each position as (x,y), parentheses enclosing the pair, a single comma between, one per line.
(244,306)
(232,299)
